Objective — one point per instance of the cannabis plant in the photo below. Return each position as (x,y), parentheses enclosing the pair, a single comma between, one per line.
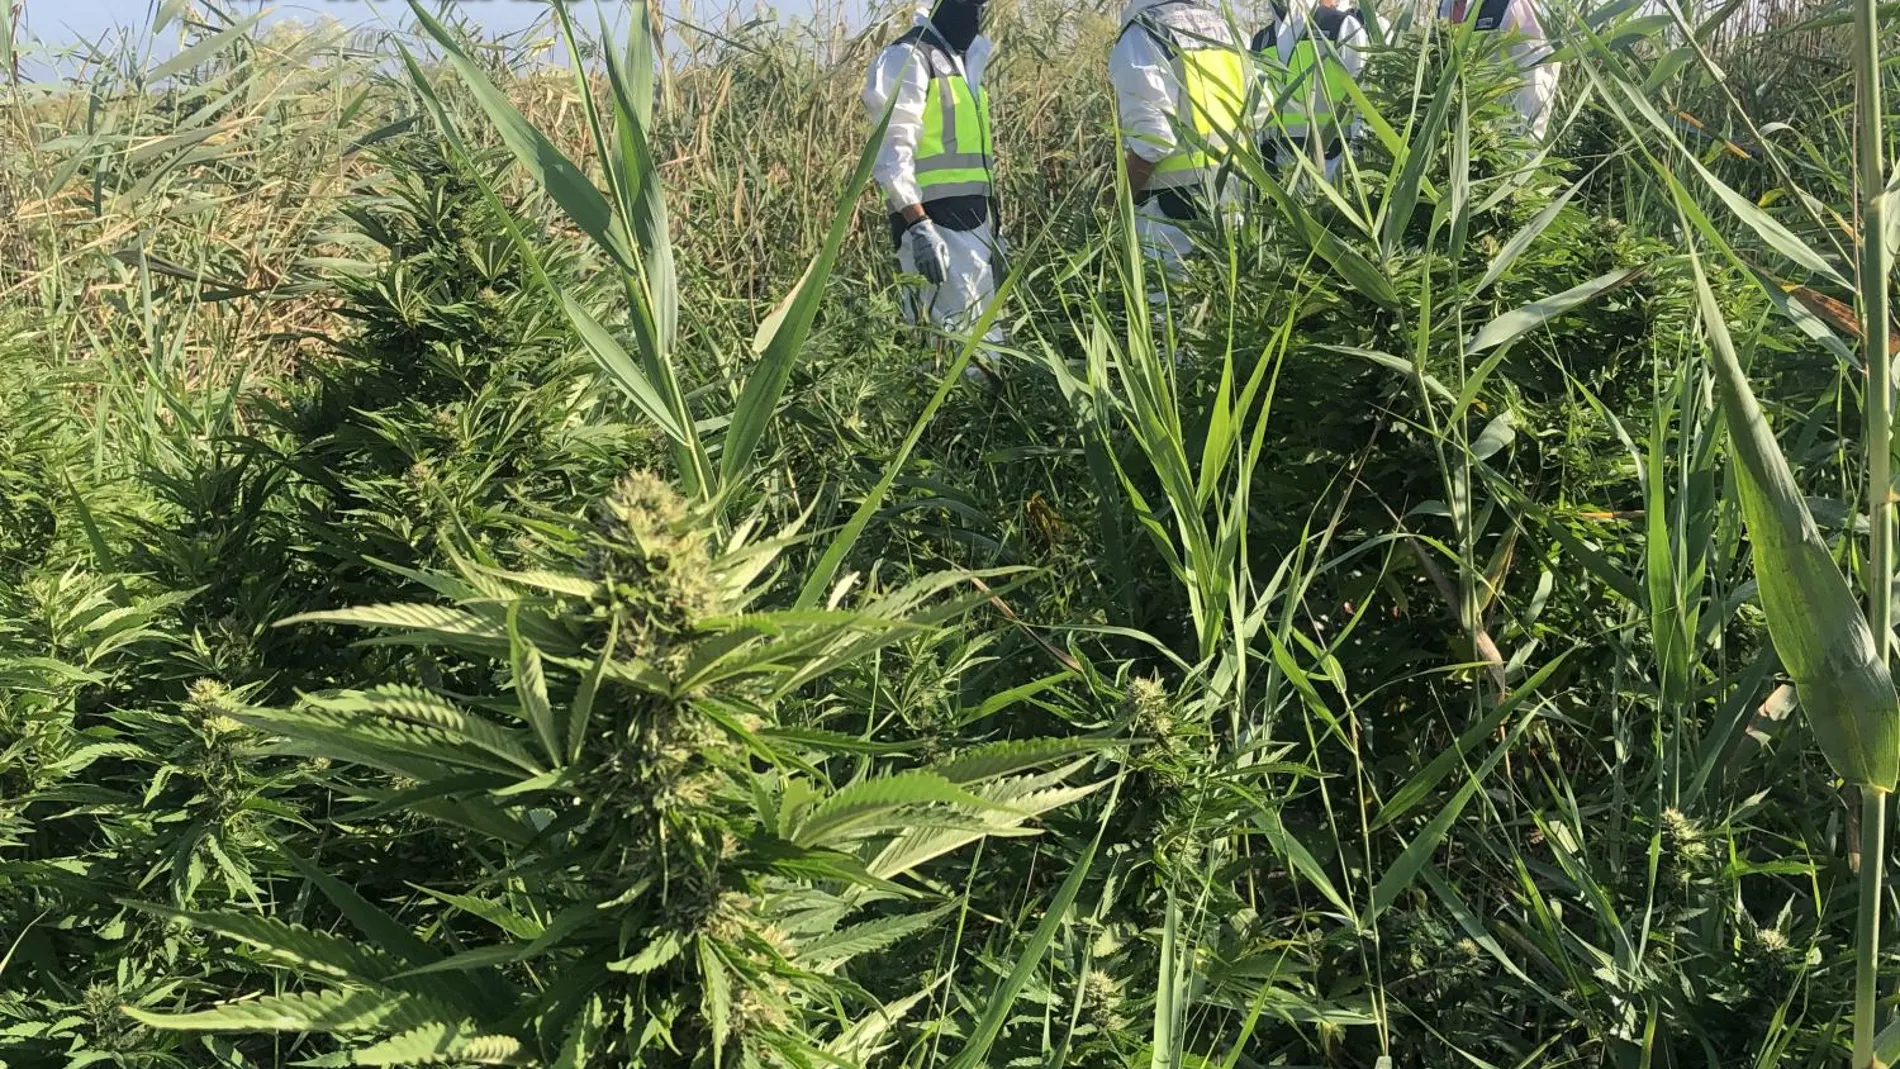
(660,869)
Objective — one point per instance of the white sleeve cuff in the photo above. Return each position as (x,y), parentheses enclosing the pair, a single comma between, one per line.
(903,191)
(1145,147)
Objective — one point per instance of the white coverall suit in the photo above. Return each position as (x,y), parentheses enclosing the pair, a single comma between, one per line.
(902,74)
(1148,98)
(1529,48)
(1348,50)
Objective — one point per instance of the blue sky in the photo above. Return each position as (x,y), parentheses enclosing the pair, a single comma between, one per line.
(65,21)
(54,26)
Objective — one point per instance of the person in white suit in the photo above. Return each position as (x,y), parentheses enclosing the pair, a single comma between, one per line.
(1529,48)
(936,166)
(1180,81)
(1312,53)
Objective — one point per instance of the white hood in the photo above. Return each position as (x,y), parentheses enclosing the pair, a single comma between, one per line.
(1135,7)
(920,16)
(1297,13)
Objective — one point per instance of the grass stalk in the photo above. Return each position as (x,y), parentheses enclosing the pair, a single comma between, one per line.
(1874,268)
(1873,847)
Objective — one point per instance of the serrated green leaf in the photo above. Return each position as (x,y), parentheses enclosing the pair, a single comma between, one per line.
(339,1011)
(317,952)
(1013,803)
(443,1042)
(493,912)
(715,996)
(997,759)
(854,811)
(664,948)
(531,686)
(866,938)
(582,1035)
(418,706)
(86,755)
(397,746)
(424,624)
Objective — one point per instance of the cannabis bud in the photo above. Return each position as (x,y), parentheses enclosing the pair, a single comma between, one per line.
(1769,959)
(1147,707)
(1101,994)
(1771,941)
(212,701)
(653,564)
(1684,847)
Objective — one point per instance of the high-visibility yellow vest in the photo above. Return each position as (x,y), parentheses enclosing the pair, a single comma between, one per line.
(955,150)
(1213,74)
(1313,81)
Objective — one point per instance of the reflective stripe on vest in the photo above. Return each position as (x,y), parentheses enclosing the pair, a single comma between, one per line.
(954,150)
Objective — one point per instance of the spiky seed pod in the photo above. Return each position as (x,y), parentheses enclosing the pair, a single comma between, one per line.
(111,1029)
(657,758)
(777,939)
(1468,953)
(1678,828)
(730,918)
(674,768)
(1684,837)
(1770,941)
(101,1001)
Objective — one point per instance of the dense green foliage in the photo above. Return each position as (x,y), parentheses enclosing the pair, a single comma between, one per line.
(452,613)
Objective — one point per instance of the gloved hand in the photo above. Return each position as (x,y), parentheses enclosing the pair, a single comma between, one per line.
(931,252)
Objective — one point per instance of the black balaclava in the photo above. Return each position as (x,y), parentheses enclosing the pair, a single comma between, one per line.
(957,22)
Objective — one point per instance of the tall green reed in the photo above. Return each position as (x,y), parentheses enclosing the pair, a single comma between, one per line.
(1875,269)
(1838,657)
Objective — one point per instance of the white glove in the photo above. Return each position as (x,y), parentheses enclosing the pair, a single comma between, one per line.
(931,252)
